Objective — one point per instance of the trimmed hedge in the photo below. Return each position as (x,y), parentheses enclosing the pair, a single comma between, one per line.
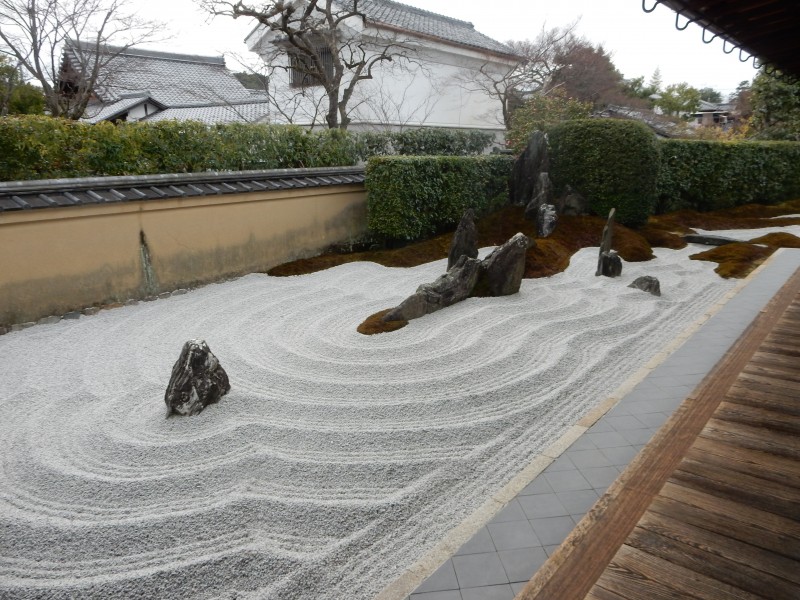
(36,147)
(710,175)
(412,197)
(612,163)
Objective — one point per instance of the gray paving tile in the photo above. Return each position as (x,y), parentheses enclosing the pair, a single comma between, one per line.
(562,463)
(537,486)
(639,436)
(448,595)
(512,512)
(542,505)
(476,570)
(653,419)
(566,481)
(521,564)
(600,477)
(607,439)
(513,535)
(624,422)
(584,459)
(553,530)
(519,586)
(620,457)
(444,578)
(551,548)
(584,443)
(491,592)
(578,502)
(480,542)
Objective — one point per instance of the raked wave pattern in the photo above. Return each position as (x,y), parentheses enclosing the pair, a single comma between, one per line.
(335,461)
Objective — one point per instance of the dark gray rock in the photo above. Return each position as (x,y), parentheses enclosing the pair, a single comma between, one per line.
(610,264)
(72,315)
(542,194)
(454,286)
(197,380)
(465,239)
(708,240)
(646,283)
(546,220)
(532,161)
(501,272)
(605,245)
(572,203)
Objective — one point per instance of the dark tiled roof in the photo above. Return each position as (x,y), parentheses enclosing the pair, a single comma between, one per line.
(236,112)
(22,195)
(168,78)
(428,23)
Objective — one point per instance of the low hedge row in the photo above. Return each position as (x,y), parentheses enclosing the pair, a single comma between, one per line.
(710,175)
(35,147)
(412,197)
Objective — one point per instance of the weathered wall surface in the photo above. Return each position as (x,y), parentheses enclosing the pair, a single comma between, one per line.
(56,260)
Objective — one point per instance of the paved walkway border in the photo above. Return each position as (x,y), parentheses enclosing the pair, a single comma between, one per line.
(495,551)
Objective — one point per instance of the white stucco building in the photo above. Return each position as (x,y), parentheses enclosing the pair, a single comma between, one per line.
(430,82)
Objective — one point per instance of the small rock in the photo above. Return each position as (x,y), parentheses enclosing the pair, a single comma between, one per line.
(51,320)
(21,326)
(73,315)
(708,240)
(501,272)
(197,380)
(610,264)
(646,283)
(4,330)
(91,310)
(454,286)
(163,295)
(465,239)
(546,220)
(179,292)
(131,302)
(572,203)
(149,298)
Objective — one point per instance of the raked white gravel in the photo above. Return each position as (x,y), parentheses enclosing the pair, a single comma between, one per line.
(336,460)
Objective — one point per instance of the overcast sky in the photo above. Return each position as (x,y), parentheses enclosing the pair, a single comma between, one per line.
(639,42)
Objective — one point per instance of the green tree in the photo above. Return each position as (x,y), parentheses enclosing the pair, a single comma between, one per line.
(656,81)
(710,95)
(26,99)
(586,73)
(541,112)
(678,99)
(776,107)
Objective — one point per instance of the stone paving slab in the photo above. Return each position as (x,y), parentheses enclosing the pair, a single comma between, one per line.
(499,559)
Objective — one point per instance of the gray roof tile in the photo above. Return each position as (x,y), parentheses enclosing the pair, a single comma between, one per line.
(249,112)
(428,23)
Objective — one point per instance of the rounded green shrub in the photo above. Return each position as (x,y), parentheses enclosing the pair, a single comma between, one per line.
(612,163)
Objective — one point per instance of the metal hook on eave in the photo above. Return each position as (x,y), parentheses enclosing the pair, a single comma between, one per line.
(678,16)
(645,9)
(724,47)
(744,60)
(769,69)
(705,41)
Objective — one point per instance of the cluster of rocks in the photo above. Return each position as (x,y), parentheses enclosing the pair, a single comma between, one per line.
(499,274)
(532,188)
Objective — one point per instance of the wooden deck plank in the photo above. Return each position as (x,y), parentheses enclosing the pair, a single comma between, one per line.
(727,512)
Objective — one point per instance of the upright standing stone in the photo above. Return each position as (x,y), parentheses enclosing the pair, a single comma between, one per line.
(609,263)
(542,194)
(465,239)
(532,161)
(197,380)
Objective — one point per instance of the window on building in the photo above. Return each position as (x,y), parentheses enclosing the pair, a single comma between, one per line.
(300,67)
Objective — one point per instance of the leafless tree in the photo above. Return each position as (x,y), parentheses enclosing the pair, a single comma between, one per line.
(34,33)
(531,74)
(325,50)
